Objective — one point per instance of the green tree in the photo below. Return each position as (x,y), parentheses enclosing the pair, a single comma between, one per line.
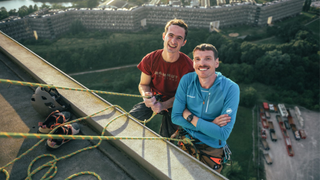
(35,8)
(3,13)
(306,5)
(57,6)
(289,30)
(271,66)
(217,40)
(30,9)
(92,3)
(250,52)
(23,11)
(248,97)
(273,97)
(76,27)
(44,6)
(233,172)
(13,12)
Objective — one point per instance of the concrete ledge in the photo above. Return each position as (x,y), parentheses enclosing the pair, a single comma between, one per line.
(161,158)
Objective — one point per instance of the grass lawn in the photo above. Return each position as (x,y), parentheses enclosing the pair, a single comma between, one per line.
(315,28)
(83,42)
(241,142)
(271,40)
(303,18)
(244,30)
(261,89)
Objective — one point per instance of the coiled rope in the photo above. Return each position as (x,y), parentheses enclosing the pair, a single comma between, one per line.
(52,163)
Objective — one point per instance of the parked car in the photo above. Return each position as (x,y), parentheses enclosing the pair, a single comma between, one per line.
(297,135)
(267,114)
(265,144)
(289,146)
(271,107)
(302,134)
(295,131)
(273,135)
(275,108)
(267,158)
(263,134)
(265,105)
(286,124)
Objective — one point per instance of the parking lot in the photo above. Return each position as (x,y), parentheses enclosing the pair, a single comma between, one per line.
(305,164)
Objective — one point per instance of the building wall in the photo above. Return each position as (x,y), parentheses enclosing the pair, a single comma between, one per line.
(280,10)
(52,25)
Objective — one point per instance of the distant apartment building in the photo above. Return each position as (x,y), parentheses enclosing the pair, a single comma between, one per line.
(205,3)
(194,3)
(58,22)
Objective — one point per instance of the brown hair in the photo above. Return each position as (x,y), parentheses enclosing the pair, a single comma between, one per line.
(209,47)
(178,22)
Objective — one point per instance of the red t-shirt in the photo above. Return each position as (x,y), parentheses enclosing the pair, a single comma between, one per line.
(165,76)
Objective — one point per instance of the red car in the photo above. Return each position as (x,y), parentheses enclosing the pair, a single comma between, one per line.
(263,134)
(302,134)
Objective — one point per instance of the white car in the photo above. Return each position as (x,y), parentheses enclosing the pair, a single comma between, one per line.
(271,108)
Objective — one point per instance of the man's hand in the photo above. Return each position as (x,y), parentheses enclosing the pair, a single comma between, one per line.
(149,101)
(222,120)
(157,107)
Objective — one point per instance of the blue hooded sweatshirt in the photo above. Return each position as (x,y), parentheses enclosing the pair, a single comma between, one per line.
(221,98)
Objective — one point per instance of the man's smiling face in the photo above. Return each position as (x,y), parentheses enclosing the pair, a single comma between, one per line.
(204,64)
(173,40)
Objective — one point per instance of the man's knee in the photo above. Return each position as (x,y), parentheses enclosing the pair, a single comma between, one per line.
(140,111)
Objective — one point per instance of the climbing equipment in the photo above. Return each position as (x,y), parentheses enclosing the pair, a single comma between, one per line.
(69,129)
(51,135)
(54,119)
(45,101)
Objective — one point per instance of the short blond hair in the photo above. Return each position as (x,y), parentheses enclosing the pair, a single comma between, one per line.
(209,47)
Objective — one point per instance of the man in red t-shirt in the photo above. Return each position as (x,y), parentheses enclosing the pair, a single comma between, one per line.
(161,71)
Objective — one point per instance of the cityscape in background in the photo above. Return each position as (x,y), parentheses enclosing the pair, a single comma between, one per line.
(110,16)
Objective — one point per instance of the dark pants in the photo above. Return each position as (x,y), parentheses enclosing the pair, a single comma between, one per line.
(142,112)
(210,156)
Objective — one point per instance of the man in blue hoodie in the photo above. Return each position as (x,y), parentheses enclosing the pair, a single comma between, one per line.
(205,106)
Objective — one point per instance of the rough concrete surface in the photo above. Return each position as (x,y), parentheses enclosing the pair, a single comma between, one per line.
(18,115)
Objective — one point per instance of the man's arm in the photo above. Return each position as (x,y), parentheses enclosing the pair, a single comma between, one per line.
(179,105)
(160,106)
(145,90)
(230,107)
(221,120)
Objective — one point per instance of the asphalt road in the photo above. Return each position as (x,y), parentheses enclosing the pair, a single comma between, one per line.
(305,164)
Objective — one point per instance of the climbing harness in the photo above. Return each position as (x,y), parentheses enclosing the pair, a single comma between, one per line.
(226,157)
(52,164)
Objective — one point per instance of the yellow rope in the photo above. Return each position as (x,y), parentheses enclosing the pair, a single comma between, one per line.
(52,163)
(21,83)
